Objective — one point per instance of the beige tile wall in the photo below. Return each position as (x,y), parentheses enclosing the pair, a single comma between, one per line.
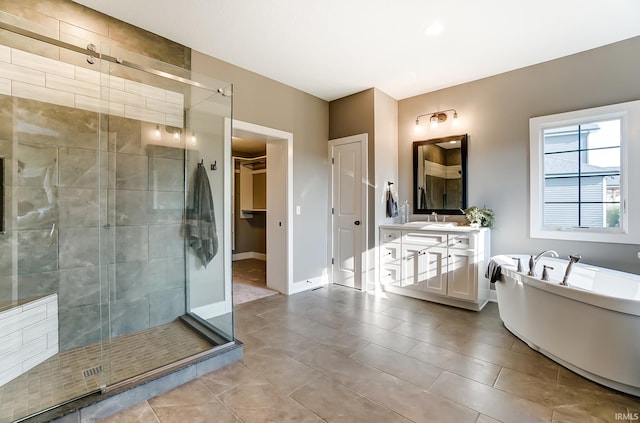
(34,77)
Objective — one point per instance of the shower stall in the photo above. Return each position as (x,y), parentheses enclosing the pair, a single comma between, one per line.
(103,280)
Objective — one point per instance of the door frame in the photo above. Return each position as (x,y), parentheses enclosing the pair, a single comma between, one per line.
(363,141)
(273,135)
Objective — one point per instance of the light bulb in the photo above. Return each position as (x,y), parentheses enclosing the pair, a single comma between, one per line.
(434,121)
(157,132)
(194,141)
(455,118)
(176,136)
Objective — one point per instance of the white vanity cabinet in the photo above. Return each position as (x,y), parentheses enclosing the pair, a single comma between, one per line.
(443,265)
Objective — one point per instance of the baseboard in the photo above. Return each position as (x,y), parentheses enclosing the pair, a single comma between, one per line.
(210,311)
(249,255)
(308,284)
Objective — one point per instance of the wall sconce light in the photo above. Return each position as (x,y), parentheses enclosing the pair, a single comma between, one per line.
(436,118)
(157,133)
(175,131)
(194,140)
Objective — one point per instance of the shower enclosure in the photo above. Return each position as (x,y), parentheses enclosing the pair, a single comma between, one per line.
(101,283)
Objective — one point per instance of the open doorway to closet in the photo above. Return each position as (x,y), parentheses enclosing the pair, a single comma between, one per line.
(260,233)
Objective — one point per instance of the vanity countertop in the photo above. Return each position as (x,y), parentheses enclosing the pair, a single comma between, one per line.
(431,226)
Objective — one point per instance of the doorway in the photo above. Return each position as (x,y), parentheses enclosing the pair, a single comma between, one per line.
(348,212)
(261,192)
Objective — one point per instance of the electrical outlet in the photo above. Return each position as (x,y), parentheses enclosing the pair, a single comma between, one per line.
(298,210)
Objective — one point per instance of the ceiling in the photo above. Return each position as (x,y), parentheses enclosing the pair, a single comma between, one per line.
(333,48)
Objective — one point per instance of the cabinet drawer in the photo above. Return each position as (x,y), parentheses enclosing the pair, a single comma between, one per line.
(462,241)
(390,253)
(425,238)
(390,275)
(390,235)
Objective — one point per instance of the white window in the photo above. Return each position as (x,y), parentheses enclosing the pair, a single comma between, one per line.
(585,174)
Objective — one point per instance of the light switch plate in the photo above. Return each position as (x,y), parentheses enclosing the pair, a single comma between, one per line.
(298,212)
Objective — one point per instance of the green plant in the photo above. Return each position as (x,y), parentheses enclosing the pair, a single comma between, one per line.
(481,216)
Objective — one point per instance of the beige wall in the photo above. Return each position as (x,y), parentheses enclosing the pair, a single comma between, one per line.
(386,166)
(266,102)
(376,114)
(495,113)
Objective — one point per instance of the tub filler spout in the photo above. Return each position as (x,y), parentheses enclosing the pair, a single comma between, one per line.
(534,260)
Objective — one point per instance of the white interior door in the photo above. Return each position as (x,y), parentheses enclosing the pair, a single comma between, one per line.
(277,215)
(348,218)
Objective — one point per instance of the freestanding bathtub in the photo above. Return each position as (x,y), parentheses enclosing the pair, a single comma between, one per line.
(592,326)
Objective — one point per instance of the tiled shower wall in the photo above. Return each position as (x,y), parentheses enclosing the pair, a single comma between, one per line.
(64,189)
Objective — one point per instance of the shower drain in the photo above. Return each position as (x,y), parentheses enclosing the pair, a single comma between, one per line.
(92,371)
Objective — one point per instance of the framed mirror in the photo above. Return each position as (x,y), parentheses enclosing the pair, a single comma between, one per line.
(440,175)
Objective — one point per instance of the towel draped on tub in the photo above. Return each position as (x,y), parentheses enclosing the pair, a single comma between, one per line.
(201,221)
(494,268)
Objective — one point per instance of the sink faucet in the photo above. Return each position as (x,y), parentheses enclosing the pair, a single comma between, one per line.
(534,260)
(435,216)
(572,259)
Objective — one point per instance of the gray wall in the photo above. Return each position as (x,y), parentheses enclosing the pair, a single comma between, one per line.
(266,102)
(495,113)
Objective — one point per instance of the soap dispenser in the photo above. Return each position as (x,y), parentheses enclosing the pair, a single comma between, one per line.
(406,211)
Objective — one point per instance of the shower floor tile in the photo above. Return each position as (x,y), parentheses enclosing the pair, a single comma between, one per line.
(61,377)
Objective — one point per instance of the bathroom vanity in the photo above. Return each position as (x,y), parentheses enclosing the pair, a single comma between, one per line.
(438,262)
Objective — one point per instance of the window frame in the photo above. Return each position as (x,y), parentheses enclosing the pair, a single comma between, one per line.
(628,232)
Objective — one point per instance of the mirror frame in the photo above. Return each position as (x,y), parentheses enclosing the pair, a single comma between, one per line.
(463,163)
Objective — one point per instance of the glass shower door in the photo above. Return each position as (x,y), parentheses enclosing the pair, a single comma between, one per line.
(52,299)
(160,124)
(101,282)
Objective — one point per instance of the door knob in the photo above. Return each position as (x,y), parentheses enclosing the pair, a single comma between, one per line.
(357,222)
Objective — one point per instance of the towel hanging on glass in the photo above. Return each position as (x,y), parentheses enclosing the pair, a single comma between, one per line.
(201,221)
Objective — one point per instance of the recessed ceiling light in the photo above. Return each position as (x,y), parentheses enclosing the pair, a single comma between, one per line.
(434,29)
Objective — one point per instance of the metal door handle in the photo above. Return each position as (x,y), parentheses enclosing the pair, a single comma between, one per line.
(357,222)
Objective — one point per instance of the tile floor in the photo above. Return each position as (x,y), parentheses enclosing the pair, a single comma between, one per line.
(338,355)
(60,378)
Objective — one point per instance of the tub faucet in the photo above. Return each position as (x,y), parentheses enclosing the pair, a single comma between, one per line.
(534,260)
(572,259)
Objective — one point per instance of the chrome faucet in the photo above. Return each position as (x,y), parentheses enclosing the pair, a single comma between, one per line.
(534,260)
(572,259)
(435,216)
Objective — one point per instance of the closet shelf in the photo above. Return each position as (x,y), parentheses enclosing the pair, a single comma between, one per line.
(254,162)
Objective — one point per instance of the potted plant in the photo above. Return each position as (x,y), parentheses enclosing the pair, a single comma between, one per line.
(479,216)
